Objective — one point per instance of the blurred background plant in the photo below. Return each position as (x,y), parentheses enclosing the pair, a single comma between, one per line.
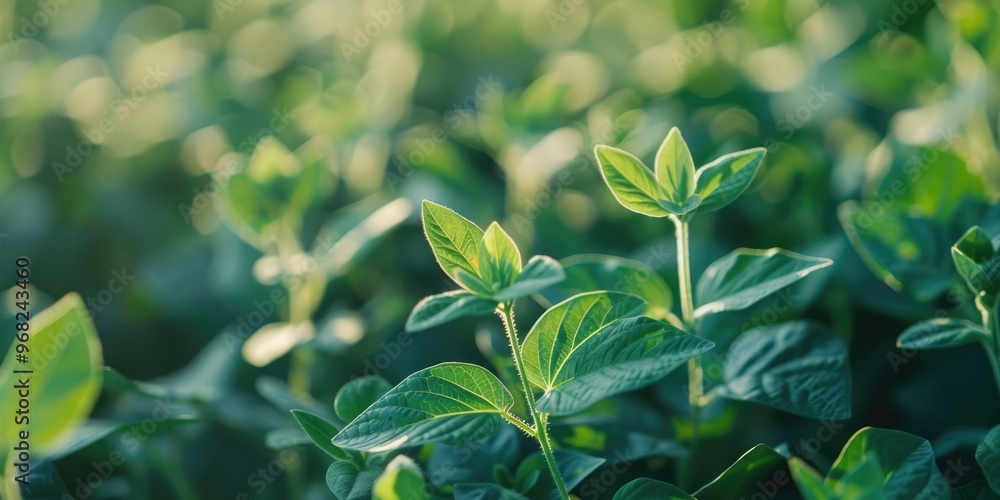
(228,182)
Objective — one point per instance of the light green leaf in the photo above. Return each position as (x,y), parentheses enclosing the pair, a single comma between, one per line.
(455,243)
(593,346)
(355,396)
(798,367)
(674,168)
(745,276)
(761,463)
(906,463)
(574,468)
(632,184)
(443,403)
(808,480)
(564,327)
(941,333)
(591,273)
(349,482)
(988,456)
(726,178)
(402,480)
(499,259)
(644,488)
(975,259)
(445,307)
(540,272)
(64,356)
(320,432)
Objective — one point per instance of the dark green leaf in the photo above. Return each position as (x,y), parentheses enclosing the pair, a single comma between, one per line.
(443,403)
(644,489)
(484,491)
(358,394)
(941,333)
(445,307)
(798,367)
(988,456)
(320,432)
(975,259)
(743,478)
(348,482)
(726,178)
(745,276)
(632,184)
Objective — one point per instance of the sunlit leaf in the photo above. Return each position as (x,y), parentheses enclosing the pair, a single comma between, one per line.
(64,357)
(632,184)
(674,169)
(455,243)
(725,179)
(746,276)
(444,403)
(906,462)
(402,480)
(742,479)
(499,259)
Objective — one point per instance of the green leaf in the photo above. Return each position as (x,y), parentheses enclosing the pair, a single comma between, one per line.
(564,327)
(674,169)
(64,355)
(988,456)
(976,490)
(644,488)
(320,432)
(355,396)
(809,482)
(499,259)
(443,403)
(485,491)
(402,480)
(540,272)
(906,465)
(743,479)
(975,259)
(632,184)
(797,367)
(745,276)
(593,346)
(455,243)
(726,178)
(591,273)
(348,482)
(445,307)
(941,333)
(573,467)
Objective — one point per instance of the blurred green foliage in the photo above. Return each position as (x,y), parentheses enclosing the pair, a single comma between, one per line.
(129,174)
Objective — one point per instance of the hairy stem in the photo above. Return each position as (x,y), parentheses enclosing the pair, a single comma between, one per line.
(540,420)
(695,378)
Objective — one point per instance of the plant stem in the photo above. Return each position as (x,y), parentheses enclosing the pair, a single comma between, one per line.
(695,377)
(540,419)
